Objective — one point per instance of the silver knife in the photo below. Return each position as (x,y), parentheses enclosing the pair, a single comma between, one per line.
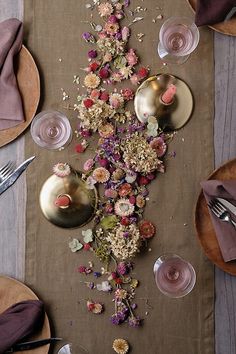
(8,182)
(228,205)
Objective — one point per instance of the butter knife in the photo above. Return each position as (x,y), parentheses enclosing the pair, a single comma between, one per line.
(8,182)
(228,205)
(19,347)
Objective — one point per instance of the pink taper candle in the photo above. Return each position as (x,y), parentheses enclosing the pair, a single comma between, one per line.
(62,201)
(168,96)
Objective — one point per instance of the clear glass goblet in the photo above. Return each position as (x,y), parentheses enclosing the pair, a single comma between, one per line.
(178,37)
(51,130)
(174,276)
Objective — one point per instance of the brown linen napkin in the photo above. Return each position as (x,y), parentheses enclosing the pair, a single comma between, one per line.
(11,111)
(19,321)
(225,232)
(209,12)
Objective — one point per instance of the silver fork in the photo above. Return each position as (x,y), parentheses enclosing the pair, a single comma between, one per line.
(7,170)
(221,212)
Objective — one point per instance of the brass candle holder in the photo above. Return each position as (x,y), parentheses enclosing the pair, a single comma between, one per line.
(81,205)
(148,102)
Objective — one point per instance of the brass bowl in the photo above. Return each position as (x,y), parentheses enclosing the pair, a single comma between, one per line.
(83,201)
(148,102)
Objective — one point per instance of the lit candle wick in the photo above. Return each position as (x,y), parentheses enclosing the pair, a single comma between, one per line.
(168,96)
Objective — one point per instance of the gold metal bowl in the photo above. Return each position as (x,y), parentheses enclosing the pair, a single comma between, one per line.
(147,102)
(83,201)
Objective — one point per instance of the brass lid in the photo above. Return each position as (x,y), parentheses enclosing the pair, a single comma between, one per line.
(148,102)
(83,201)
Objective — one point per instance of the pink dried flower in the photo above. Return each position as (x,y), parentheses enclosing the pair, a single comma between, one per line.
(125,32)
(111,193)
(105,9)
(103,162)
(88,164)
(95,94)
(122,268)
(159,145)
(131,57)
(112,19)
(127,93)
(92,53)
(134,79)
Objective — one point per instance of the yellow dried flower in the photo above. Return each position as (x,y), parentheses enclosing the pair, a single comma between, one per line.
(120,346)
(91,81)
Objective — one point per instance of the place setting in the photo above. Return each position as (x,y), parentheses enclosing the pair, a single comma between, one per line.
(93,206)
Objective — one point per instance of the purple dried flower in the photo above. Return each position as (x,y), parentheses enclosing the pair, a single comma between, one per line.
(134,321)
(118,36)
(134,306)
(97,274)
(92,53)
(112,19)
(88,37)
(122,268)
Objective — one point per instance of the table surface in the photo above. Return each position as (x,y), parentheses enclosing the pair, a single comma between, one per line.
(12,240)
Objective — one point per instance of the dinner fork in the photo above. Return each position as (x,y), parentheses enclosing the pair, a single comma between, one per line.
(221,212)
(7,170)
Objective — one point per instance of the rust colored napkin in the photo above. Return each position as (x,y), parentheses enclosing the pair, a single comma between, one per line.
(11,111)
(209,12)
(225,232)
(19,321)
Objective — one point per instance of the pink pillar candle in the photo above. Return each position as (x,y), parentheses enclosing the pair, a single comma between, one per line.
(168,96)
(62,201)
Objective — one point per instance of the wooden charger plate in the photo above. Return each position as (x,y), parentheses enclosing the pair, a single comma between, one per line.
(204,227)
(13,291)
(228,27)
(29,86)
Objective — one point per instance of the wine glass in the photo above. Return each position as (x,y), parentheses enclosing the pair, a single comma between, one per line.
(51,130)
(174,276)
(67,349)
(178,36)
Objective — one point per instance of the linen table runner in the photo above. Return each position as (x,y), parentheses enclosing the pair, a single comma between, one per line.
(53,32)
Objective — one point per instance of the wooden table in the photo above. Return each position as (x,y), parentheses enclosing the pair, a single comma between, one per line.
(12,204)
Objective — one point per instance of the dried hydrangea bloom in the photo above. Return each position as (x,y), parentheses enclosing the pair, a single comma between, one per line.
(124,241)
(138,154)
(120,346)
(95,116)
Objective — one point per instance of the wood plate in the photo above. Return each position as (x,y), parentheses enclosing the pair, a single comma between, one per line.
(29,86)
(13,291)
(228,27)
(204,227)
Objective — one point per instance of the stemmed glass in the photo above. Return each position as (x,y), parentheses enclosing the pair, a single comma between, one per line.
(174,276)
(51,130)
(178,36)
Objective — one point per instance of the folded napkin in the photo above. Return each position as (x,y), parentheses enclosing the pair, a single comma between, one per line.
(11,111)
(225,232)
(19,321)
(209,12)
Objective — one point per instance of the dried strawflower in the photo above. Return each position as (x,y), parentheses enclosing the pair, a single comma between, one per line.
(118,174)
(61,169)
(140,201)
(91,81)
(120,346)
(111,28)
(125,189)
(123,207)
(101,175)
(111,193)
(131,57)
(121,294)
(147,229)
(116,100)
